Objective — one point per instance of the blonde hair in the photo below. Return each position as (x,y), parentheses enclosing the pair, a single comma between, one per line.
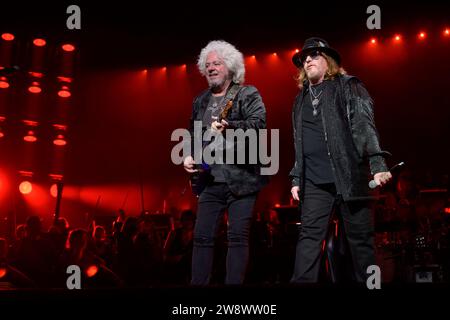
(333,70)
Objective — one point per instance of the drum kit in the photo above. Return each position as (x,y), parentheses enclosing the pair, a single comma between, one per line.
(412,235)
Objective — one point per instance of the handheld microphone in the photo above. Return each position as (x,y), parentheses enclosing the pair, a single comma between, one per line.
(373,184)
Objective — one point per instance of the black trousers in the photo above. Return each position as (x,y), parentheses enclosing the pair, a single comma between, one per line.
(213,202)
(316,208)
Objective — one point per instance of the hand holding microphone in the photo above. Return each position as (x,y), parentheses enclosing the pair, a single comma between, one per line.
(381,178)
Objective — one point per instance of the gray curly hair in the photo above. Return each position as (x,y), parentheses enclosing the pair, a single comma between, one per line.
(232,57)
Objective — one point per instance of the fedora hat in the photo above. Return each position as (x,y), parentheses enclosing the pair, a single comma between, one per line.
(313,44)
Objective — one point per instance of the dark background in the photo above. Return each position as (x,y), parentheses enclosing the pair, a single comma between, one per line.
(121,118)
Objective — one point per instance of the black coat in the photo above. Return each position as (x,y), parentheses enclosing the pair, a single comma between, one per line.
(350,134)
(248,112)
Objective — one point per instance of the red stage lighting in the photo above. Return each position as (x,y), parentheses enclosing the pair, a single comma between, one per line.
(25,187)
(64,92)
(2,272)
(373,40)
(274,54)
(2,119)
(65,79)
(36,74)
(39,42)
(34,88)
(7,36)
(4,84)
(297,51)
(68,47)
(422,35)
(54,190)
(91,271)
(447,32)
(60,140)
(30,137)
(397,38)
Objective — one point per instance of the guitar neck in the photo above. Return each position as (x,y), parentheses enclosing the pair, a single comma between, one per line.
(226,110)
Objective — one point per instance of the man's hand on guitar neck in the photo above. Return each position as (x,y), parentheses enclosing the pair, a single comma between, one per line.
(219,126)
(189,164)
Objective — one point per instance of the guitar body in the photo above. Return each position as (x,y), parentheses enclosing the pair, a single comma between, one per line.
(200,179)
(203,177)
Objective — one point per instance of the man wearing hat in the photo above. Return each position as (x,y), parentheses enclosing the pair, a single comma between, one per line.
(337,153)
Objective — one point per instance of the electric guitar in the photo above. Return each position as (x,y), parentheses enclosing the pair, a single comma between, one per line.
(200,179)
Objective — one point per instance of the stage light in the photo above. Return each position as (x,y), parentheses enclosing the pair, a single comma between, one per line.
(30,136)
(373,40)
(30,127)
(56,178)
(274,54)
(447,32)
(34,88)
(4,83)
(25,187)
(64,79)
(2,119)
(3,272)
(54,190)
(39,42)
(60,140)
(36,74)
(397,38)
(7,36)
(68,47)
(297,51)
(422,35)
(64,92)
(91,271)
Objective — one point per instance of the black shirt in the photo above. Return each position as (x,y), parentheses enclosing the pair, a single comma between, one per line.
(317,162)
(215,106)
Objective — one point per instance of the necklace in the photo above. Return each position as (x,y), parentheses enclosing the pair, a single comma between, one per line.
(315,101)
(217,100)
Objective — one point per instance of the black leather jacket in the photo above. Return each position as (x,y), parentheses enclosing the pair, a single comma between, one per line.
(350,134)
(247,112)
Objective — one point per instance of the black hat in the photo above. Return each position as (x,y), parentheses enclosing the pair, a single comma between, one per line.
(313,44)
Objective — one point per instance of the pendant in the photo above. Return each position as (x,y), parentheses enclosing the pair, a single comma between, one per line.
(315,112)
(315,102)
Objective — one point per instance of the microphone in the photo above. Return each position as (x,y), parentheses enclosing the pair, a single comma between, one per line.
(373,184)
(9,70)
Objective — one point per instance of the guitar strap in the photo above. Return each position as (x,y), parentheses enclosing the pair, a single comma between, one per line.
(232,93)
